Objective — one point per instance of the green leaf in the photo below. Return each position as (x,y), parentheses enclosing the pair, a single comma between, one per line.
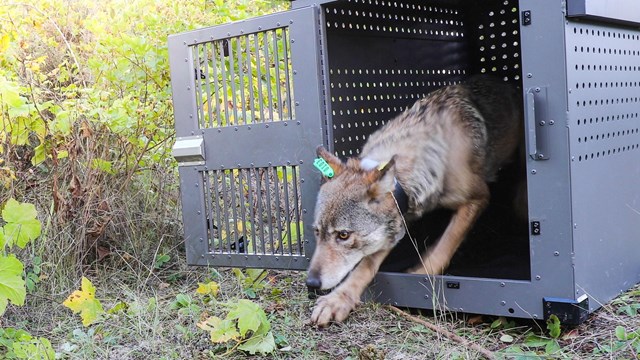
(40,154)
(553,325)
(12,286)
(552,347)
(249,314)
(38,348)
(22,225)
(536,341)
(83,301)
(621,333)
(262,343)
(506,338)
(102,165)
(221,330)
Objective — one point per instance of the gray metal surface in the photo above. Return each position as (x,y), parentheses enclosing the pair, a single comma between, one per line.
(350,66)
(247,89)
(614,11)
(603,77)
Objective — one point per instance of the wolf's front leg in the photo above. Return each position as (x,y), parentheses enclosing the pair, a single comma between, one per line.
(337,305)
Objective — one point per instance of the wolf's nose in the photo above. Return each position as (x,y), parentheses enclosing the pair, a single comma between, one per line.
(314,282)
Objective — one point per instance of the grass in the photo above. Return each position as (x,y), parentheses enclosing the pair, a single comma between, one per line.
(149,326)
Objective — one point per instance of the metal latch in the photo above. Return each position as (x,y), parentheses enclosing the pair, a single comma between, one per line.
(189,150)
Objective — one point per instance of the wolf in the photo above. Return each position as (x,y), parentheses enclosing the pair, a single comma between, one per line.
(441,152)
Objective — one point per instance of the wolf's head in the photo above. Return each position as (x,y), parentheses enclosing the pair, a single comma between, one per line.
(356,216)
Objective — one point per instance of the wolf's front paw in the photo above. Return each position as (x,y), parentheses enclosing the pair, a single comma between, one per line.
(335,306)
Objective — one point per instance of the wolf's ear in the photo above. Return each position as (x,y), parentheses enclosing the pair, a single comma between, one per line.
(336,164)
(382,180)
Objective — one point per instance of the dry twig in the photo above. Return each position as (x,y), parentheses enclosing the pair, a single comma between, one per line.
(464,342)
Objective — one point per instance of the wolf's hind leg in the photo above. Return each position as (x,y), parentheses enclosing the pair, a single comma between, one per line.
(337,305)
(436,259)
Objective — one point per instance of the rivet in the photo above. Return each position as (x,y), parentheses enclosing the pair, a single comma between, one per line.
(248,127)
(535,316)
(575,226)
(259,27)
(246,258)
(551,122)
(556,253)
(188,87)
(219,130)
(285,124)
(277,24)
(301,180)
(277,258)
(297,122)
(197,185)
(538,277)
(529,75)
(235,128)
(266,126)
(251,165)
(503,303)
(201,240)
(186,60)
(502,284)
(288,162)
(537,89)
(239,165)
(202,256)
(540,156)
(304,211)
(293,40)
(184,43)
(395,303)
(290,21)
(297,103)
(542,123)
(295,72)
(426,296)
(191,116)
(199,212)
(301,162)
(269,163)
(228,34)
(534,171)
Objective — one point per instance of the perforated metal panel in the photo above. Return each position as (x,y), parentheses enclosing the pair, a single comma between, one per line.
(603,75)
(385,55)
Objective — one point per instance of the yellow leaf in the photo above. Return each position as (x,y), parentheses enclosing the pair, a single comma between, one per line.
(4,42)
(211,288)
(84,301)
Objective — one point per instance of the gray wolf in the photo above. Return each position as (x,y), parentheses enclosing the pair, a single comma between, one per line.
(440,152)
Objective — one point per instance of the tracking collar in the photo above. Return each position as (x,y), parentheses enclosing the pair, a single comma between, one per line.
(401,197)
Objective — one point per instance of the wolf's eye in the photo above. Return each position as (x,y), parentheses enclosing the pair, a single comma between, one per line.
(343,235)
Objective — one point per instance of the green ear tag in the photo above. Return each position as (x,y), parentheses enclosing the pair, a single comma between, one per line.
(324,168)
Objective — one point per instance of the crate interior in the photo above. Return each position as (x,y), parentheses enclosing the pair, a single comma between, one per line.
(383,56)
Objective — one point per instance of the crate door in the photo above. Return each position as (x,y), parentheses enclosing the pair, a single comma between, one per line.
(248,106)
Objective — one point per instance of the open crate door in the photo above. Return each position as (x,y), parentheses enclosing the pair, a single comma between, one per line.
(248,108)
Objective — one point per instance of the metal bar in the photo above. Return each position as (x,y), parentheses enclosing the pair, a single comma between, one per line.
(297,207)
(215,200)
(250,79)
(232,79)
(258,65)
(276,190)
(243,210)
(234,210)
(276,63)
(214,55)
(269,208)
(224,84)
(260,212)
(208,82)
(241,71)
(285,185)
(252,208)
(198,89)
(268,74)
(208,208)
(225,215)
(286,72)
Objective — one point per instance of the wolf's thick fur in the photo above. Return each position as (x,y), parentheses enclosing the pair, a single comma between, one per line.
(442,152)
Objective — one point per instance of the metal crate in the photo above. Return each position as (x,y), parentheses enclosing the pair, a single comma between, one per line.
(253,99)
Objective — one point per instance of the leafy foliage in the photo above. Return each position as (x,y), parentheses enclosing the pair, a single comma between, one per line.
(12,286)
(246,325)
(83,301)
(19,344)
